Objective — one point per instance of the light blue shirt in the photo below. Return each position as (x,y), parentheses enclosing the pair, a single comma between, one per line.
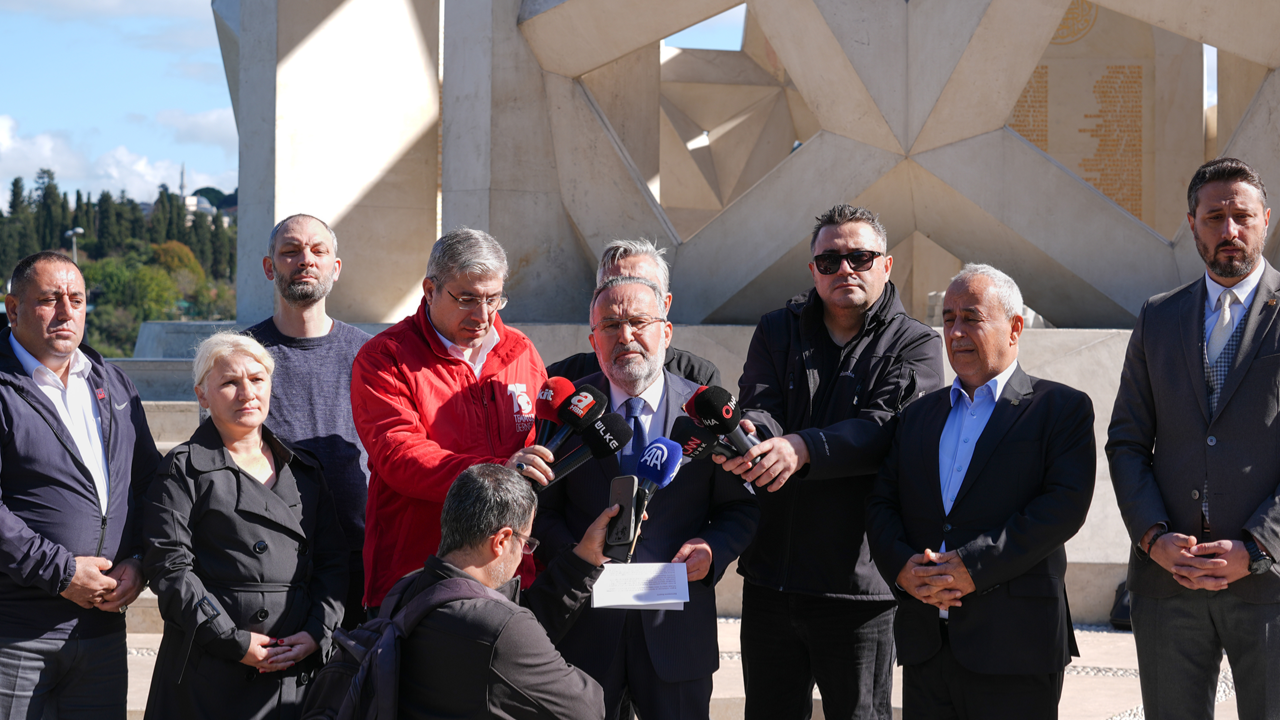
(964,426)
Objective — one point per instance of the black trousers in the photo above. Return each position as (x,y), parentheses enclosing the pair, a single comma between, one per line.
(790,642)
(1180,641)
(940,688)
(631,683)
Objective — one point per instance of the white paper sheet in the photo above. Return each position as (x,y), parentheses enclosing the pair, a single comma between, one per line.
(642,586)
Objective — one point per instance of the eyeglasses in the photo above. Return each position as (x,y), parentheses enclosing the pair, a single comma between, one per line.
(859,261)
(471,302)
(610,327)
(530,543)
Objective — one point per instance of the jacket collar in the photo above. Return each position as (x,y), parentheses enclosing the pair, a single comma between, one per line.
(808,307)
(208,453)
(1013,401)
(444,571)
(499,357)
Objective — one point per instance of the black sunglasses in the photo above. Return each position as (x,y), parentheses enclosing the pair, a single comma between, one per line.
(859,261)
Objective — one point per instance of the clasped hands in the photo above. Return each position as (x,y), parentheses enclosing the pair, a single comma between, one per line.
(937,579)
(1200,566)
(270,654)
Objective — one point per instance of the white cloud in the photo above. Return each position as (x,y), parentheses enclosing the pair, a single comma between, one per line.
(212,127)
(113,171)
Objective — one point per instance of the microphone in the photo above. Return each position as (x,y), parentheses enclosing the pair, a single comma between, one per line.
(717,410)
(603,437)
(690,408)
(696,442)
(547,407)
(577,413)
(657,467)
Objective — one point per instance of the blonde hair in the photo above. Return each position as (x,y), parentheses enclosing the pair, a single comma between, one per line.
(225,343)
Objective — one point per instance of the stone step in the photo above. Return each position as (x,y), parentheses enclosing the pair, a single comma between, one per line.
(171,421)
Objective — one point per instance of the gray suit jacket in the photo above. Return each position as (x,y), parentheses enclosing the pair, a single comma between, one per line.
(1164,448)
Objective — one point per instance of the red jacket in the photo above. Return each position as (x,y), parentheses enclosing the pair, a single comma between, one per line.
(424,418)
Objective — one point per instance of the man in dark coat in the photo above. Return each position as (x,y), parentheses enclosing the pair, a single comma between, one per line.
(75,453)
(494,657)
(704,518)
(984,484)
(639,258)
(822,378)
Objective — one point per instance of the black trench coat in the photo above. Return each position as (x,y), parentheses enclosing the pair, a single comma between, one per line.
(227,556)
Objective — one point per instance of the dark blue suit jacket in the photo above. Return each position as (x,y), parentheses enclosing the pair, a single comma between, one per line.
(701,502)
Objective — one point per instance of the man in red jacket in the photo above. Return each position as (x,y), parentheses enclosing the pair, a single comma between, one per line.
(444,389)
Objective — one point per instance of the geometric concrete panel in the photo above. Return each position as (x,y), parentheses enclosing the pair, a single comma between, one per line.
(772,146)
(627,92)
(1238,81)
(1090,237)
(710,106)
(801,116)
(1178,111)
(817,64)
(226,20)
(603,192)
(733,142)
(972,234)
(769,219)
(756,46)
(938,33)
(873,36)
(920,267)
(990,74)
(573,37)
(719,67)
(1246,27)
(890,198)
(377,191)
(683,175)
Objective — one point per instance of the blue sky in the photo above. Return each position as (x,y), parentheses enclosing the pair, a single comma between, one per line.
(117,94)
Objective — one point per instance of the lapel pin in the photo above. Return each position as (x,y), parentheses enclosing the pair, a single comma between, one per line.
(1271,302)
(102,394)
(1015,401)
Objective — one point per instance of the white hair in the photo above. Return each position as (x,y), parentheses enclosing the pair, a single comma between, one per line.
(223,344)
(619,250)
(1005,289)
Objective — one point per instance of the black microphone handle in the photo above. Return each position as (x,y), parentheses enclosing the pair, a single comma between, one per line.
(566,465)
(544,430)
(558,439)
(739,441)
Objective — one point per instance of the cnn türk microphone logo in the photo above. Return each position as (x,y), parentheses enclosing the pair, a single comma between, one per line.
(691,446)
(581,403)
(654,456)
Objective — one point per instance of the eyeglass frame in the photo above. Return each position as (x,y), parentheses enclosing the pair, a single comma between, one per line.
(843,258)
(489,303)
(530,543)
(651,320)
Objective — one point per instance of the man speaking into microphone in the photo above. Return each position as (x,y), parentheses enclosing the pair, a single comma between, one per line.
(662,659)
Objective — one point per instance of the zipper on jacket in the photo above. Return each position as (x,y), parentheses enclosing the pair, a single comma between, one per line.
(102,536)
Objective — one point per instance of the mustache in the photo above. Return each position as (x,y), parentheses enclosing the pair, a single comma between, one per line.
(1232,243)
(632,346)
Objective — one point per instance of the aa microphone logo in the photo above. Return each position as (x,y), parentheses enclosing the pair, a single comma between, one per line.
(581,403)
(655,456)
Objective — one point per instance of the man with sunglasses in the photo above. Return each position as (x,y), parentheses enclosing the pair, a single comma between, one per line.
(444,389)
(823,377)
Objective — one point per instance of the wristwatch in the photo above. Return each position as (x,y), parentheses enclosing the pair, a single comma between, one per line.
(1259,561)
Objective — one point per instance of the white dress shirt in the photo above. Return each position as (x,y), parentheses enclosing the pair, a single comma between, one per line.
(1244,290)
(77,410)
(489,342)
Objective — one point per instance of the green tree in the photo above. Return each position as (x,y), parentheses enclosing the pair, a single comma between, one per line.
(21,222)
(220,249)
(212,194)
(50,211)
(173,256)
(202,241)
(110,236)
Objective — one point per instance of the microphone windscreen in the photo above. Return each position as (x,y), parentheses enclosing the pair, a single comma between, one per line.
(607,435)
(553,394)
(690,408)
(659,462)
(695,441)
(717,410)
(583,407)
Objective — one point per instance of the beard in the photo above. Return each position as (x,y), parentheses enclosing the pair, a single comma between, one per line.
(296,292)
(635,374)
(1229,267)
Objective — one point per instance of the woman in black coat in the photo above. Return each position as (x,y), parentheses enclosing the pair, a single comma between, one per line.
(245,553)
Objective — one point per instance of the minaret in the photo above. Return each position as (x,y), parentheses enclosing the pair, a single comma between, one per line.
(182,183)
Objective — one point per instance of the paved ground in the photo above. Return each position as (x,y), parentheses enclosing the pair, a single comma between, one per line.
(1101,685)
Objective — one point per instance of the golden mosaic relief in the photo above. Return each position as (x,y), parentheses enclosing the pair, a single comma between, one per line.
(1030,117)
(1115,168)
(1076,23)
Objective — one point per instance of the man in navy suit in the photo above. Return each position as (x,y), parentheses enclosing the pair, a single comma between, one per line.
(984,484)
(662,659)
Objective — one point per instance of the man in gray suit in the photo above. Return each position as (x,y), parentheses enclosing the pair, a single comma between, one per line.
(1193,453)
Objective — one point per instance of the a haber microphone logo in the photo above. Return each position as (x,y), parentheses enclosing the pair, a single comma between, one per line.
(654,456)
(581,403)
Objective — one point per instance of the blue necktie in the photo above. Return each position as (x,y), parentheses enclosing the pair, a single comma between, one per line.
(631,453)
